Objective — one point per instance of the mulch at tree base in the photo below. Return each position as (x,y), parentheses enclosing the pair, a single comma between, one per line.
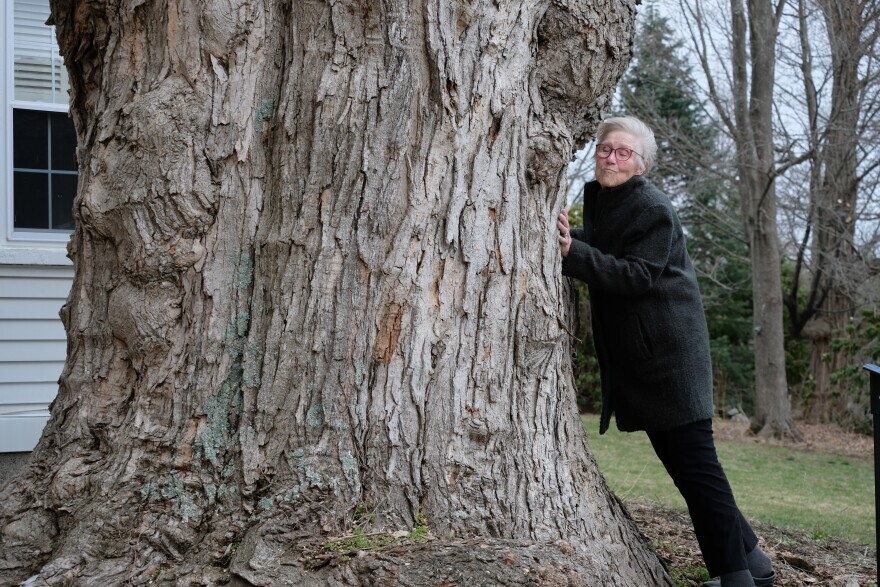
(799,558)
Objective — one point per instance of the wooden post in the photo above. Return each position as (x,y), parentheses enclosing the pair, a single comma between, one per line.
(875,410)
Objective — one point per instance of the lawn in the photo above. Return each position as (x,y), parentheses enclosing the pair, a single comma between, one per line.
(826,495)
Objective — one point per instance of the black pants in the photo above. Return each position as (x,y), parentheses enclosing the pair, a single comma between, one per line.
(688,453)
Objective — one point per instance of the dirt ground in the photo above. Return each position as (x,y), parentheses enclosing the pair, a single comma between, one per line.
(799,559)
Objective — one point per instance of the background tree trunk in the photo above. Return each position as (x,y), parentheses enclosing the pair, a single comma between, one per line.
(833,244)
(744,105)
(753,135)
(317,290)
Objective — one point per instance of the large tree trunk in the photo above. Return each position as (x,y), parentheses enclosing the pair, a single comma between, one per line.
(318,290)
(753,111)
(836,199)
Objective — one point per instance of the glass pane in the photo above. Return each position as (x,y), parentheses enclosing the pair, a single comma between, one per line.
(30,22)
(33,73)
(30,139)
(39,74)
(63,142)
(31,206)
(63,191)
(62,83)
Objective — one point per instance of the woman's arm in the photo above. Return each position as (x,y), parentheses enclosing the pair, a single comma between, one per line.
(645,252)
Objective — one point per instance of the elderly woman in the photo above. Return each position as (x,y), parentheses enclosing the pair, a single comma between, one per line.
(652,341)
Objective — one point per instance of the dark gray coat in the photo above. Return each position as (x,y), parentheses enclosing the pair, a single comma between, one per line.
(648,322)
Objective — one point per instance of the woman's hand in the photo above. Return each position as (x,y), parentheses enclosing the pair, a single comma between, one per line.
(564,237)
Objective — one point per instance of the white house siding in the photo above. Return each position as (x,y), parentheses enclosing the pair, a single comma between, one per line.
(35,273)
(32,349)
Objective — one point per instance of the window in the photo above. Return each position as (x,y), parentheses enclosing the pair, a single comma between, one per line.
(44,172)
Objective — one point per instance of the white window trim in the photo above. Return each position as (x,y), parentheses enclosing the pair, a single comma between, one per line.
(50,245)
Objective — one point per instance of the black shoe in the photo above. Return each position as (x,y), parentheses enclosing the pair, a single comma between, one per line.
(759,581)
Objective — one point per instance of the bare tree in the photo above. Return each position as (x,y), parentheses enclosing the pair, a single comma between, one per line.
(318,290)
(828,255)
(748,59)
(581,170)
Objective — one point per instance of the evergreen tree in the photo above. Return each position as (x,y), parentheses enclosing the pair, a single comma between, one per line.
(658,89)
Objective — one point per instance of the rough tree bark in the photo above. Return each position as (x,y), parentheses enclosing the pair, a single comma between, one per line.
(318,289)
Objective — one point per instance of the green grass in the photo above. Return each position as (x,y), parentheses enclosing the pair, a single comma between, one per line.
(824,495)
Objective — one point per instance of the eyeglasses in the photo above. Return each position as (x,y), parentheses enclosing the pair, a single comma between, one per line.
(621,153)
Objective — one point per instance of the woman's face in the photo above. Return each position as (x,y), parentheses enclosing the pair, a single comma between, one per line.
(611,171)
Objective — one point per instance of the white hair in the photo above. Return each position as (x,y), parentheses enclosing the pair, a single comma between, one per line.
(647,148)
